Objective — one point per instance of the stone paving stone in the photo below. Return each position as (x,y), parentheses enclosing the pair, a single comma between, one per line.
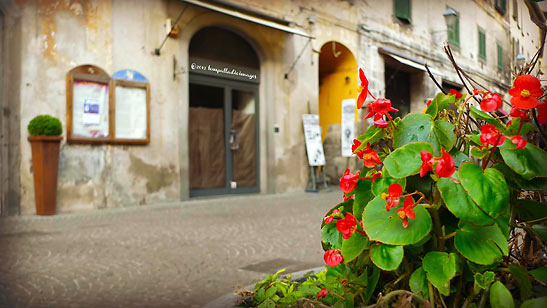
(177,255)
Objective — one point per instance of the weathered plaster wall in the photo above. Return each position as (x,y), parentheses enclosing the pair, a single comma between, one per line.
(114,35)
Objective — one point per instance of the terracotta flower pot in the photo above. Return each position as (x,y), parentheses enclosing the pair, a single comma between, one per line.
(45,163)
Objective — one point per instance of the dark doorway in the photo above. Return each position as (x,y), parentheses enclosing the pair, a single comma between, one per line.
(398,90)
(223,115)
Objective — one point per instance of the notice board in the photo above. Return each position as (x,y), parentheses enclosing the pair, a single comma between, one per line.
(314,145)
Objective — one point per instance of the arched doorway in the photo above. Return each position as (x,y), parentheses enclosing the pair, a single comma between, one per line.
(223,113)
(337,81)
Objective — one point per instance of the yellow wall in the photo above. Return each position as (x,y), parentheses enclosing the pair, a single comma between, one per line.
(333,86)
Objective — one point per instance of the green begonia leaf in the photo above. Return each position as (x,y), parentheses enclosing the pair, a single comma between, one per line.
(514,128)
(540,302)
(372,135)
(406,160)
(479,153)
(517,182)
(419,127)
(483,281)
(386,227)
(353,246)
(481,245)
(488,190)
(540,273)
(459,157)
(487,118)
(331,235)
(363,194)
(440,268)
(439,103)
(445,134)
(529,162)
(530,210)
(523,280)
(381,184)
(541,231)
(500,297)
(386,257)
(460,204)
(418,283)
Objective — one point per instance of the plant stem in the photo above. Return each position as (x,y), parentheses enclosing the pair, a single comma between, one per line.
(438,231)
(395,293)
(449,235)
(431,294)
(485,162)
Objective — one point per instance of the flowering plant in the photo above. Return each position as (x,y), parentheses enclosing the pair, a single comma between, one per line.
(471,224)
(448,208)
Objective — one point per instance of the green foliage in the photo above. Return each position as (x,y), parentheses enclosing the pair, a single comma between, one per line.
(45,125)
(477,223)
(500,297)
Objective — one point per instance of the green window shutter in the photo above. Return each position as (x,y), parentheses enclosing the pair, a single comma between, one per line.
(402,10)
(454,33)
(500,57)
(482,45)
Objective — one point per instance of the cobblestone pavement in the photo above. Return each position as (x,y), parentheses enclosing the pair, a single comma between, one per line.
(181,255)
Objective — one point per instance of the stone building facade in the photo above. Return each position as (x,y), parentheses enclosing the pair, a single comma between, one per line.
(305,54)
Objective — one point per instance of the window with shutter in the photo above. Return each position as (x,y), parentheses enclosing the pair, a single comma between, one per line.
(402,10)
(482,45)
(453,32)
(500,56)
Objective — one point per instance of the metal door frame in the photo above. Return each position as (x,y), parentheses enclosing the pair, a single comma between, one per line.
(228,85)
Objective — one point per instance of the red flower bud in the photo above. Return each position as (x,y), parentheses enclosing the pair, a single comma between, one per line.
(322,293)
(519,142)
(333,257)
(455,92)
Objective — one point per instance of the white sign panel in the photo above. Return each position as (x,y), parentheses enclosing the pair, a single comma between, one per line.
(314,145)
(348,126)
(130,113)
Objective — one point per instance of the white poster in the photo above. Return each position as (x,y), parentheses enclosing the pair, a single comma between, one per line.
(90,109)
(348,126)
(314,145)
(131,111)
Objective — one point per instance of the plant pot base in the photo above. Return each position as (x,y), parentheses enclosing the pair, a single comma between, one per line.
(45,163)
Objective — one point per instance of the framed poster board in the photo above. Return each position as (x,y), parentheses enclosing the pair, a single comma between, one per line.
(105,110)
(131,112)
(89,94)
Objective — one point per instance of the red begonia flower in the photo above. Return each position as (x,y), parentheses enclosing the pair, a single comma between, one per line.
(370,157)
(322,293)
(354,146)
(380,122)
(348,182)
(393,196)
(446,166)
(491,102)
(476,91)
(519,113)
(363,88)
(347,226)
(329,219)
(490,134)
(333,257)
(407,211)
(427,163)
(380,106)
(519,142)
(542,112)
(346,198)
(428,103)
(525,92)
(455,92)
(376,175)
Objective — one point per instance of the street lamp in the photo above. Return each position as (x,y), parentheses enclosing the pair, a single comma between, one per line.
(520,60)
(450,17)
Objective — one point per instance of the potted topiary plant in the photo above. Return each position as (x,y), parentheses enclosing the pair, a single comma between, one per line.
(45,138)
